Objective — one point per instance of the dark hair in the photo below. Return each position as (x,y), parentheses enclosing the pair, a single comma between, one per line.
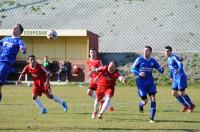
(93,49)
(31,56)
(20,28)
(115,62)
(149,47)
(168,47)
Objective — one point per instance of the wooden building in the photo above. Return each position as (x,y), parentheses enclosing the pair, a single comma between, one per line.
(70,45)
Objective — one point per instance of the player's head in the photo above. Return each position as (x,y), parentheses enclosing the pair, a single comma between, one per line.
(112,66)
(31,59)
(93,53)
(168,51)
(17,30)
(147,51)
(45,58)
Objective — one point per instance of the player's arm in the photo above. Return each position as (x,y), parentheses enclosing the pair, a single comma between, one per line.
(22,47)
(135,68)
(47,83)
(21,76)
(180,64)
(158,67)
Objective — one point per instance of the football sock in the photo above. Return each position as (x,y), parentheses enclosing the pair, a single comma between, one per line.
(93,95)
(0,96)
(96,105)
(110,104)
(187,99)
(57,99)
(141,104)
(153,110)
(182,101)
(105,104)
(39,104)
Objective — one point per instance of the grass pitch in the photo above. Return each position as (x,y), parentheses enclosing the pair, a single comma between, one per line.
(18,113)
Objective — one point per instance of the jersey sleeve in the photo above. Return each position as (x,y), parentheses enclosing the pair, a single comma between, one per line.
(158,67)
(179,63)
(135,67)
(22,47)
(25,70)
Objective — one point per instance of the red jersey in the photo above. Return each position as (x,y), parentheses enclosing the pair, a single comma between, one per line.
(93,64)
(37,73)
(107,79)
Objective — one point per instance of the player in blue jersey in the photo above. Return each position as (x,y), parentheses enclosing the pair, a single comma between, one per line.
(143,68)
(9,48)
(179,80)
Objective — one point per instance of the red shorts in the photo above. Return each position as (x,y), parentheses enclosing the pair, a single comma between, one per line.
(92,84)
(39,88)
(102,91)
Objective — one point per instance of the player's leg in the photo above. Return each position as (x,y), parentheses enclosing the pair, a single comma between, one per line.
(39,104)
(142,103)
(109,93)
(48,93)
(153,107)
(180,100)
(182,86)
(178,96)
(96,106)
(188,100)
(143,96)
(99,98)
(58,76)
(4,72)
(92,93)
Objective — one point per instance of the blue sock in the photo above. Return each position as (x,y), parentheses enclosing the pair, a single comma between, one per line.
(187,99)
(0,96)
(182,101)
(140,104)
(153,110)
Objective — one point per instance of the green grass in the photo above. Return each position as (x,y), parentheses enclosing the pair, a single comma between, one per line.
(18,113)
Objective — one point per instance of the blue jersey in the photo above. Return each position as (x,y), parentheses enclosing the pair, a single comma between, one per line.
(9,48)
(175,65)
(143,65)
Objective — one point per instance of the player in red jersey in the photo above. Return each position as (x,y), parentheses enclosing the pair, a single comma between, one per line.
(94,63)
(41,83)
(106,86)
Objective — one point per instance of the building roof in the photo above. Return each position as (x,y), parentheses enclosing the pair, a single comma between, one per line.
(43,32)
(122,25)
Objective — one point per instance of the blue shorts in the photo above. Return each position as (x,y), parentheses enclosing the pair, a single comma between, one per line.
(5,69)
(146,88)
(179,82)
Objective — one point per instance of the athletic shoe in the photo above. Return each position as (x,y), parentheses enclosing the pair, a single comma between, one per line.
(64,105)
(184,109)
(110,109)
(101,104)
(191,108)
(94,114)
(43,111)
(100,116)
(152,120)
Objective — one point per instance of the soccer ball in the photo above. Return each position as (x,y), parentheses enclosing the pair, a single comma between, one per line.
(52,34)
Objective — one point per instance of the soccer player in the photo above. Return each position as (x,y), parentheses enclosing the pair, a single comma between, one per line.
(9,48)
(41,83)
(179,81)
(143,68)
(93,63)
(105,87)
